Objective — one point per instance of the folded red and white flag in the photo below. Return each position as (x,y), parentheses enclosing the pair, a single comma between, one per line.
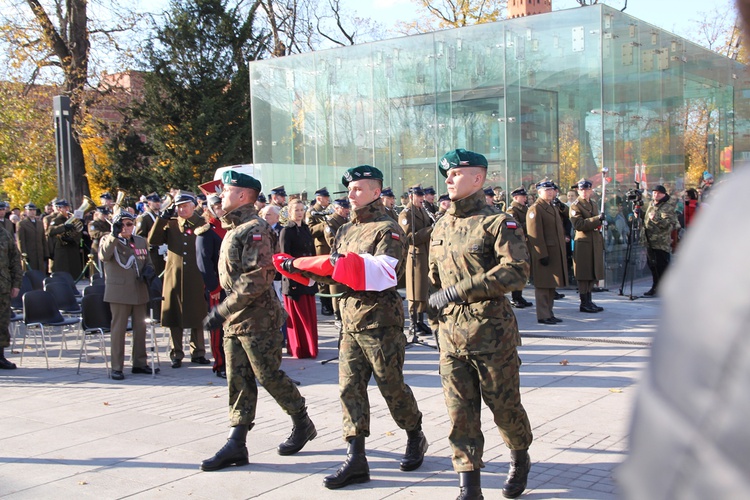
(319,265)
(364,272)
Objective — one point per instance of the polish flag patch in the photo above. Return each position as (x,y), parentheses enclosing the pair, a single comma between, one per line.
(511,224)
(396,236)
(257,237)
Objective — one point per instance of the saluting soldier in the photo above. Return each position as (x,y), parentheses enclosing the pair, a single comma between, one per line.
(368,256)
(184,306)
(316,222)
(65,241)
(547,248)
(477,255)
(338,218)
(518,210)
(389,202)
(31,239)
(588,251)
(143,225)
(252,316)
(417,223)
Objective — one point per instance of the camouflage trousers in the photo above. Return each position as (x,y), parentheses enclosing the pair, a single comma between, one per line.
(5,319)
(251,357)
(467,380)
(378,352)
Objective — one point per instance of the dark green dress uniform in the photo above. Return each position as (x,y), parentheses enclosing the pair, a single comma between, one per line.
(65,246)
(10,277)
(417,224)
(482,253)
(588,251)
(143,225)
(252,335)
(33,243)
(546,244)
(184,305)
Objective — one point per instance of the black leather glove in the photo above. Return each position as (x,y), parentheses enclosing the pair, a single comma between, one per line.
(117,228)
(213,321)
(602,216)
(288,266)
(70,227)
(443,297)
(544,261)
(335,256)
(168,213)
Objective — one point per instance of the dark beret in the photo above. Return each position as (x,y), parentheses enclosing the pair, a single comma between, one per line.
(359,173)
(461,158)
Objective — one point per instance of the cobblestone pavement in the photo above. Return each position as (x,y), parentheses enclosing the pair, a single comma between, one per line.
(65,435)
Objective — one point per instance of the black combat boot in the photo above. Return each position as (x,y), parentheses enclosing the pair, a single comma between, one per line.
(354,469)
(591,303)
(234,452)
(516,299)
(303,430)
(4,363)
(416,446)
(471,486)
(526,302)
(520,465)
(585,306)
(421,326)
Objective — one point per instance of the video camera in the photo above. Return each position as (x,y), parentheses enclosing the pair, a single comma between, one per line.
(635,195)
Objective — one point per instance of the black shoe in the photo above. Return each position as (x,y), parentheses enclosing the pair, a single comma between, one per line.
(177,363)
(526,303)
(556,319)
(548,321)
(354,470)
(416,446)
(559,295)
(587,307)
(145,369)
(326,311)
(471,486)
(221,374)
(650,293)
(234,452)
(517,304)
(6,365)
(303,430)
(117,375)
(423,330)
(520,465)
(200,361)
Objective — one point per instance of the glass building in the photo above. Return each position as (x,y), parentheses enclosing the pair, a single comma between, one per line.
(562,95)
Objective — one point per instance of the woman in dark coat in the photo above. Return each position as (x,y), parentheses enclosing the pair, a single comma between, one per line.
(299,301)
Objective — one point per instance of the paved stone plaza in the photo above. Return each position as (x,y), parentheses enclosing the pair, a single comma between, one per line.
(84,436)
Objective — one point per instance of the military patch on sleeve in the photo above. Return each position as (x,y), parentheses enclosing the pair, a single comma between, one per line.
(572,213)
(396,236)
(138,226)
(531,215)
(403,221)
(328,229)
(257,237)
(435,243)
(511,224)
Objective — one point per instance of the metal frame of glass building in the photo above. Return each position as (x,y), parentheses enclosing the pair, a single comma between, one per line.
(561,95)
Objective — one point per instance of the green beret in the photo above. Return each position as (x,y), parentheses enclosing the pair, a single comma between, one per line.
(461,158)
(234,178)
(359,173)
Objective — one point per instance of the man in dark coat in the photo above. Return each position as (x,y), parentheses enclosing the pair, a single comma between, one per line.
(546,239)
(184,305)
(588,252)
(31,239)
(518,210)
(65,241)
(143,225)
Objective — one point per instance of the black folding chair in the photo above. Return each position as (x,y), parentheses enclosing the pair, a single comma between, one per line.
(96,320)
(40,310)
(36,277)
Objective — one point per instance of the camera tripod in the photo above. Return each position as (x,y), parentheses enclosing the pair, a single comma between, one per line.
(635,228)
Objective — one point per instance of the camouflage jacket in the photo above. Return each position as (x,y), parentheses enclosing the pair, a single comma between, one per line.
(519,212)
(370,231)
(246,274)
(483,254)
(10,263)
(658,222)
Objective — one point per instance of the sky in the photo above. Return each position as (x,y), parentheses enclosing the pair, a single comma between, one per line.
(672,15)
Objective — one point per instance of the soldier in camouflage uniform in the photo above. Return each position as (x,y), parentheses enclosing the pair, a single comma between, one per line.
(10,287)
(251,315)
(659,221)
(476,256)
(372,341)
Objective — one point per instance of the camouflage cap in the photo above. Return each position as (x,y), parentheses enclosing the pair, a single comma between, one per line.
(238,179)
(359,173)
(461,158)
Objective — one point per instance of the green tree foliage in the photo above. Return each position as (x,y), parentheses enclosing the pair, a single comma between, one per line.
(196,107)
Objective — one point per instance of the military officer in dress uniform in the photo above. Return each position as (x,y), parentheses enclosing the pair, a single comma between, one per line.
(143,225)
(107,200)
(184,305)
(65,241)
(518,210)
(588,251)
(547,248)
(98,228)
(338,218)
(477,255)
(316,222)
(429,200)
(5,222)
(31,239)
(125,258)
(389,202)
(417,223)
(278,196)
(251,315)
